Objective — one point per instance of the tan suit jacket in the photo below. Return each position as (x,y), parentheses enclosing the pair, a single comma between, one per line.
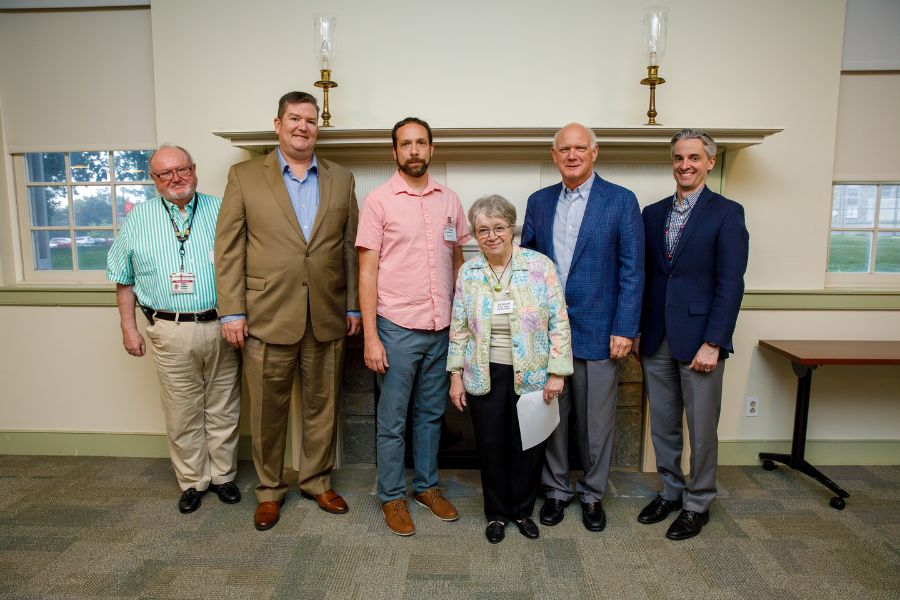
(265,268)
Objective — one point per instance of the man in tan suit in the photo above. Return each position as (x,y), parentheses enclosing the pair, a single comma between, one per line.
(287,276)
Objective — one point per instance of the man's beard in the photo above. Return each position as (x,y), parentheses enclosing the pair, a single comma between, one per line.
(414,170)
(171,196)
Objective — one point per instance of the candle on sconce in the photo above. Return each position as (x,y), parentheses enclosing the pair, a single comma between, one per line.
(655,21)
(324,25)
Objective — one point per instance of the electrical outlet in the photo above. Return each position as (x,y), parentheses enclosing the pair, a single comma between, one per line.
(752,407)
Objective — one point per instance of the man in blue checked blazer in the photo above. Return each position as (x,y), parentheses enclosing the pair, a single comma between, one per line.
(592,231)
(697,249)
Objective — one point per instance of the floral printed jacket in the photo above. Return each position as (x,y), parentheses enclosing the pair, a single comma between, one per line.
(539,324)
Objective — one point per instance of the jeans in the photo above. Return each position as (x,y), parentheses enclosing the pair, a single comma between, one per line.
(420,356)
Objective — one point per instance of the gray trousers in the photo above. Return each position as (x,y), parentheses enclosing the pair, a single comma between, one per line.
(592,391)
(674,389)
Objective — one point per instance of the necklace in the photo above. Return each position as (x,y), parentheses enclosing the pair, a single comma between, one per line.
(498,286)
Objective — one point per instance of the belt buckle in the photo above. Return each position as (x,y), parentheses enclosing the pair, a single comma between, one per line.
(196,317)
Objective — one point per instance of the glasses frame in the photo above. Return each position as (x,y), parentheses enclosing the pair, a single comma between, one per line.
(487,231)
(170,175)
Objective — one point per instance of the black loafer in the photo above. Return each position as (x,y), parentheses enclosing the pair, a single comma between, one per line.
(688,524)
(553,511)
(190,500)
(228,492)
(592,516)
(658,510)
(528,528)
(494,532)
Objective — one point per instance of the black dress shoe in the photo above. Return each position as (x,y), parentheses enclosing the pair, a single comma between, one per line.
(494,532)
(228,492)
(687,525)
(658,510)
(190,500)
(553,511)
(528,528)
(592,516)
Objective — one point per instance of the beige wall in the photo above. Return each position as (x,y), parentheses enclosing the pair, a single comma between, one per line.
(868,128)
(509,64)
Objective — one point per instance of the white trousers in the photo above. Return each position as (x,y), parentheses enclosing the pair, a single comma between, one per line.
(200,388)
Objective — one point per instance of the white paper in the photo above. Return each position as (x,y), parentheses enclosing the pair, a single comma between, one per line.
(537,419)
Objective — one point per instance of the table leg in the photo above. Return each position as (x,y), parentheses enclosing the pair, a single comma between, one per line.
(795,459)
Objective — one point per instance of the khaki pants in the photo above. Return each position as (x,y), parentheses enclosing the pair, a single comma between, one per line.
(270,372)
(200,388)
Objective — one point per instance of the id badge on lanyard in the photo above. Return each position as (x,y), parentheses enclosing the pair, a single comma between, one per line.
(503,307)
(449,230)
(182,283)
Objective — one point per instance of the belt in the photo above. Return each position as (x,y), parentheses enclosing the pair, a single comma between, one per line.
(195,317)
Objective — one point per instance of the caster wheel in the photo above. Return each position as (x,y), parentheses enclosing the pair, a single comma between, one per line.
(838,503)
(768,465)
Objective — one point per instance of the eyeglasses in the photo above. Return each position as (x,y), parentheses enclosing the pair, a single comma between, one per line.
(498,231)
(183,172)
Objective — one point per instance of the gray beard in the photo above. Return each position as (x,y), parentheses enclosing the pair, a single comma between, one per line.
(183,195)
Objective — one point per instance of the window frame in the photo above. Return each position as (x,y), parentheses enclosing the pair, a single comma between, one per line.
(29,273)
(869,278)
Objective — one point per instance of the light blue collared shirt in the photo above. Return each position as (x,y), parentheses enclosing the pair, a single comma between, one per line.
(304,194)
(567,224)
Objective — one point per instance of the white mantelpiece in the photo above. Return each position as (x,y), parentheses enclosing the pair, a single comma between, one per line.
(619,144)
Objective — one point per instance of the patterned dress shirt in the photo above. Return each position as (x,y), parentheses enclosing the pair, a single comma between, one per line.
(678,218)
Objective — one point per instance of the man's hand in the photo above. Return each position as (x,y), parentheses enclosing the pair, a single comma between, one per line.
(375,356)
(354,325)
(553,387)
(457,391)
(706,359)
(635,348)
(134,342)
(235,331)
(619,347)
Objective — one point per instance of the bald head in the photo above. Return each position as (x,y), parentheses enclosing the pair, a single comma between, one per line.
(575,127)
(169,151)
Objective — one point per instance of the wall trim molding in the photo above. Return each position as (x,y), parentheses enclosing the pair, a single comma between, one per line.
(828,299)
(153,445)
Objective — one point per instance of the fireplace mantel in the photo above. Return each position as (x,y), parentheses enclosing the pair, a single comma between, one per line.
(620,144)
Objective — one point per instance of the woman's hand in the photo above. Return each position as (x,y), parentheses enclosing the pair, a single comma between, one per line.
(457,391)
(553,388)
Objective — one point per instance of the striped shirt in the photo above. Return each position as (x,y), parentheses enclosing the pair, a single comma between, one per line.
(678,218)
(145,254)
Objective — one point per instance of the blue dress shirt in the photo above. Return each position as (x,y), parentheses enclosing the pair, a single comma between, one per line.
(566,224)
(304,194)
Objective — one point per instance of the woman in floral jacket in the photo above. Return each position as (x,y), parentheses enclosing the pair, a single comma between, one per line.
(509,335)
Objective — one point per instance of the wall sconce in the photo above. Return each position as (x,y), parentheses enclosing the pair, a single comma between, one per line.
(324,25)
(654,41)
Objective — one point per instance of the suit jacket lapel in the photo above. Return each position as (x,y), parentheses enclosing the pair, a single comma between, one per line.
(697,213)
(595,204)
(545,224)
(324,174)
(276,184)
(660,227)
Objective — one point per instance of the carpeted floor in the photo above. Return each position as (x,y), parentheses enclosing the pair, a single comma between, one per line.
(95,527)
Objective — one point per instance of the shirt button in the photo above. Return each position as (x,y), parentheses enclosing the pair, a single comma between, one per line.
(304,206)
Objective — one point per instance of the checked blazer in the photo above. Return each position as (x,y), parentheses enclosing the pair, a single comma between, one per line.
(606,279)
(695,298)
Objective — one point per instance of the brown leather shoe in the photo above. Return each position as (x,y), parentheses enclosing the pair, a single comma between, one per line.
(267,515)
(329,501)
(439,506)
(397,517)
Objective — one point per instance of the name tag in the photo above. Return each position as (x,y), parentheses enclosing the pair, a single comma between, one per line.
(182,283)
(449,234)
(503,307)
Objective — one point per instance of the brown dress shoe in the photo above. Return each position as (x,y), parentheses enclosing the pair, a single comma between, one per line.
(439,506)
(329,501)
(397,517)
(267,514)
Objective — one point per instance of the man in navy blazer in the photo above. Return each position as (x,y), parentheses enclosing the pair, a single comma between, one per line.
(696,256)
(592,231)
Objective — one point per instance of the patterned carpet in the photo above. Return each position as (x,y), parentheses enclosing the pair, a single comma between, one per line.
(96,527)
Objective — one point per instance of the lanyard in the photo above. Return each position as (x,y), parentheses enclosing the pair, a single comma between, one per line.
(680,229)
(182,238)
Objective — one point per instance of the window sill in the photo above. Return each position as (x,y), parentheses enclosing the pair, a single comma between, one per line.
(869,281)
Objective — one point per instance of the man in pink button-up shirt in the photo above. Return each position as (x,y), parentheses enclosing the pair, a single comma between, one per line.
(411,232)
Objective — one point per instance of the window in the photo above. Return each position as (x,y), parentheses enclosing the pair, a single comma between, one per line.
(865,229)
(71,204)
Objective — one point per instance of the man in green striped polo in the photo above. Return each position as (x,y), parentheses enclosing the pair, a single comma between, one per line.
(163,259)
